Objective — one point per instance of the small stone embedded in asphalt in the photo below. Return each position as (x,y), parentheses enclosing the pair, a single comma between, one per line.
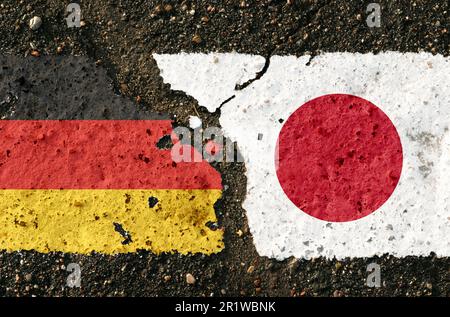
(195,122)
(293,265)
(196,39)
(168,8)
(35,23)
(190,279)
(337,293)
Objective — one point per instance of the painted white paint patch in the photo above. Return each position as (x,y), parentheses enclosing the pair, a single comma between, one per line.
(195,122)
(210,78)
(412,89)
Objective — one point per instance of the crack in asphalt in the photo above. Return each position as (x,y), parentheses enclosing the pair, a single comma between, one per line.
(238,87)
(258,76)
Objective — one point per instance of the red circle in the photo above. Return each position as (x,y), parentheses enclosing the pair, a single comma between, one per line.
(339,157)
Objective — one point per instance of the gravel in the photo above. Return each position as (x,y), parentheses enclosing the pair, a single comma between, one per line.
(35,23)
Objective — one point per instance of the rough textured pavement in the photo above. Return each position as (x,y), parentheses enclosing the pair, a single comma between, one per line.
(117,40)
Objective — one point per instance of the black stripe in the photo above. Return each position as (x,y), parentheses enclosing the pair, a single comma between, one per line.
(62,88)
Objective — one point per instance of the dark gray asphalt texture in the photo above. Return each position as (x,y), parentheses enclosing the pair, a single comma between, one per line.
(117,77)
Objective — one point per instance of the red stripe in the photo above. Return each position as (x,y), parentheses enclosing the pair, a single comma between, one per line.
(97,154)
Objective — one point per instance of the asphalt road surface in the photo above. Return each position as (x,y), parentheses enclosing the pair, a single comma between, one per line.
(115,43)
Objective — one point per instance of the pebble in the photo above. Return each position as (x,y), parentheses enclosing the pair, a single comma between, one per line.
(337,293)
(196,39)
(35,23)
(168,8)
(157,10)
(123,88)
(35,53)
(293,265)
(250,269)
(195,122)
(28,277)
(239,233)
(190,279)
(167,278)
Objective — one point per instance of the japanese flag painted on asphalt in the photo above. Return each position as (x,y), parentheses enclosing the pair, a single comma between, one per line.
(347,155)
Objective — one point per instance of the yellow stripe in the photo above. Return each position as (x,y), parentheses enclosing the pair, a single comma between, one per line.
(81,221)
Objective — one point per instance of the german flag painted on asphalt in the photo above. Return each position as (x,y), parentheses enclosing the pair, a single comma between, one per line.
(102,185)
